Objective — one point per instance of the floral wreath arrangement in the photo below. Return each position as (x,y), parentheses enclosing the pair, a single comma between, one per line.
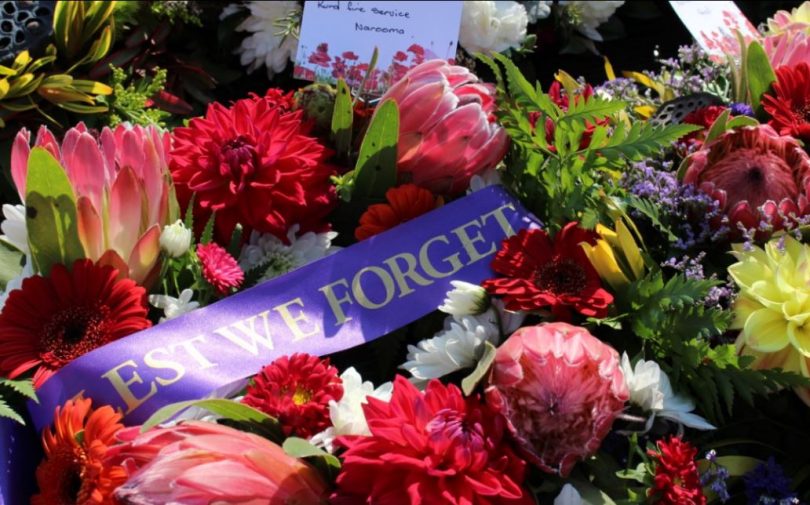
(618,311)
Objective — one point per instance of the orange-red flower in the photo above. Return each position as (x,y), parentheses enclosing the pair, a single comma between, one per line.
(404,203)
(790,108)
(73,471)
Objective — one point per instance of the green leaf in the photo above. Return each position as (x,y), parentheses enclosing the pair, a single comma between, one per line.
(719,126)
(50,206)
(760,74)
(24,387)
(7,411)
(738,121)
(300,448)
(642,140)
(517,83)
(235,245)
(376,169)
(188,220)
(593,109)
(650,210)
(228,409)
(484,363)
(10,259)
(208,232)
(342,116)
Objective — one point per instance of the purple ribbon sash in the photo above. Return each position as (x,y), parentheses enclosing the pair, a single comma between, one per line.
(346,299)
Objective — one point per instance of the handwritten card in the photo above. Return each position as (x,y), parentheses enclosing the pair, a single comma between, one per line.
(338,39)
(714,26)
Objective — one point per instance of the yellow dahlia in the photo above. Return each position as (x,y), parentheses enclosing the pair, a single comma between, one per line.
(773,307)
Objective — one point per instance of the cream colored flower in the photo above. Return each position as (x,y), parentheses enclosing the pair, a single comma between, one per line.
(492,27)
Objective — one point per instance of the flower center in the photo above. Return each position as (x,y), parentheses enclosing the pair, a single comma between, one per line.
(560,276)
(301,396)
(73,332)
(457,442)
(755,175)
(239,160)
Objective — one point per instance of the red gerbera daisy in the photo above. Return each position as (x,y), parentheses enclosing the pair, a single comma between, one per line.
(677,481)
(253,164)
(404,203)
(73,471)
(50,321)
(296,390)
(790,108)
(542,273)
(432,448)
(219,268)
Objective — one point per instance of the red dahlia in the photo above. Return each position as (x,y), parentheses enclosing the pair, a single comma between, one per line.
(540,272)
(219,268)
(431,449)
(296,390)
(404,203)
(50,321)
(676,481)
(253,164)
(790,108)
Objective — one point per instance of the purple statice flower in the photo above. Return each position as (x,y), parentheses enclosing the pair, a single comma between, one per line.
(692,268)
(767,483)
(715,477)
(741,109)
(687,210)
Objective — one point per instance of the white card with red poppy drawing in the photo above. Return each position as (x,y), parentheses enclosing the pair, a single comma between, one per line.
(338,40)
(714,26)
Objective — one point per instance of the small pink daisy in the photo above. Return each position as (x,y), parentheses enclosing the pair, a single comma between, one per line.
(219,268)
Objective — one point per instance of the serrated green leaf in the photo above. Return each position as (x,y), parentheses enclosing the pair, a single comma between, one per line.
(53,232)
(641,140)
(24,387)
(590,110)
(228,409)
(208,231)
(7,411)
(469,382)
(760,74)
(376,169)
(651,211)
(342,116)
(188,220)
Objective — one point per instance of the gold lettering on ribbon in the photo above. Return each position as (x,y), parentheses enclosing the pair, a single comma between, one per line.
(360,294)
(429,268)
(248,328)
(122,387)
(409,273)
(501,218)
(335,302)
(292,321)
(469,242)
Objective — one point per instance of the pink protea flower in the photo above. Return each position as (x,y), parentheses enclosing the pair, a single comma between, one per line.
(787,48)
(447,131)
(199,463)
(561,389)
(122,184)
(219,268)
(755,174)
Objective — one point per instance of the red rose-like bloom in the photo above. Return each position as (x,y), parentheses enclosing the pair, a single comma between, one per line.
(74,470)
(755,175)
(790,108)
(677,481)
(296,390)
(219,268)
(404,203)
(542,273)
(253,164)
(704,117)
(431,449)
(50,321)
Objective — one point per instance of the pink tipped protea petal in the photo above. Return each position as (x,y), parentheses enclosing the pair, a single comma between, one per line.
(20,151)
(91,228)
(84,166)
(125,212)
(145,254)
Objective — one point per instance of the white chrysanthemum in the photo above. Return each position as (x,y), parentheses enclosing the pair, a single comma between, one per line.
(277,258)
(16,283)
(175,239)
(14,229)
(487,178)
(651,390)
(347,414)
(569,496)
(267,45)
(538,9)
(465,299)
(174,307)
(492,27)
(591,14)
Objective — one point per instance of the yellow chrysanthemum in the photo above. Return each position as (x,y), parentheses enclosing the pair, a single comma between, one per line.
(773,307)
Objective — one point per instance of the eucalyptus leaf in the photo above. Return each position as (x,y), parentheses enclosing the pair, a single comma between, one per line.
(51,218)
(759,73)
(376,169)
(487,358)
